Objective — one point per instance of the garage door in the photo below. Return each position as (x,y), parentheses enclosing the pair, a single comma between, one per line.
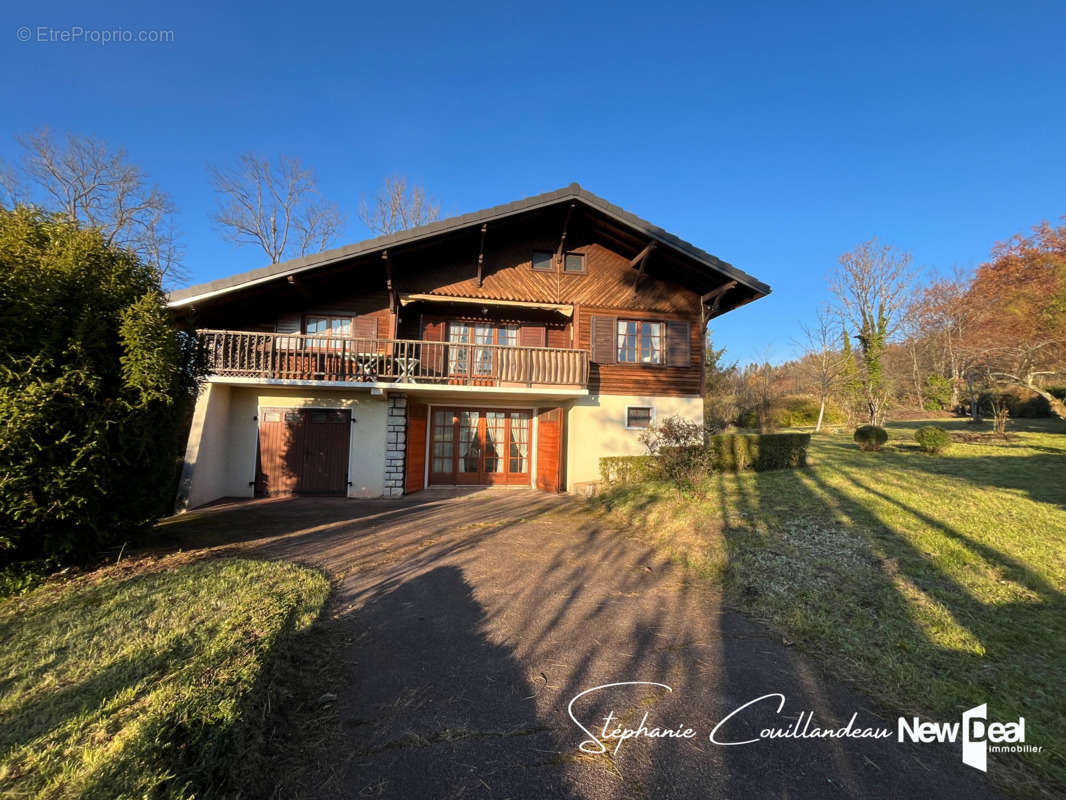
(303,451)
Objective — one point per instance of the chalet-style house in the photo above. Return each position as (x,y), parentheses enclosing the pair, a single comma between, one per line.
(516,345)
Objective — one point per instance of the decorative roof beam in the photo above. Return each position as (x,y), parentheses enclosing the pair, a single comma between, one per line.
(562,239)
(299,285)
(394,298)
(640,260)
(716,295)
(481,254)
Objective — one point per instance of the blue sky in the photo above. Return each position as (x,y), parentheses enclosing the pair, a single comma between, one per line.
(773,134)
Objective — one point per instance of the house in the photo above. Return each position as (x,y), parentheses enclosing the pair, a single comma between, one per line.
(516,345)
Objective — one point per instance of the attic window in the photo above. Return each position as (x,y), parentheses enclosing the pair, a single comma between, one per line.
(575,262)
(542,261)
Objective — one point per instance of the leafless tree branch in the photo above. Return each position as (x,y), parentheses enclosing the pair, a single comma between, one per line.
(84,179)
(275,206)
(398,207)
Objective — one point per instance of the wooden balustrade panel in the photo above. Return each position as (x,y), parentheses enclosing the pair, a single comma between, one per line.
(319,357)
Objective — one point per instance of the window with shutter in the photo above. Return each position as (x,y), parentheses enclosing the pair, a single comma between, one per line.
(678,344)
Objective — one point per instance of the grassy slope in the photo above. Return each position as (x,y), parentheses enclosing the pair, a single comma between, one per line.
(934,582)
(135,681)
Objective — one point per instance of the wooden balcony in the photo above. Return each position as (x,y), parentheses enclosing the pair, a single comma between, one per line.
(305,357)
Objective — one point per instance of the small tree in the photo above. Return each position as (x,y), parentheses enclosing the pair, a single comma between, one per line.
(998,404)
(826,363)
(871,284)
(679,445)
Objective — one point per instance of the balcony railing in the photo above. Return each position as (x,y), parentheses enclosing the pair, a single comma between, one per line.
(319,357)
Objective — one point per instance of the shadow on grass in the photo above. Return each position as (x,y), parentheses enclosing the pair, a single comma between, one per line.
(178,713)
(877,605)
(468,625)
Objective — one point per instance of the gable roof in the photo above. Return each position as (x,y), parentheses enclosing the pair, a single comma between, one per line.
(573,192)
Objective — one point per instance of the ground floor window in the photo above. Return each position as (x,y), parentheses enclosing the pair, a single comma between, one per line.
(639,416)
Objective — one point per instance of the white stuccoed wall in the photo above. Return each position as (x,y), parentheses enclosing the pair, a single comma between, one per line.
(596,428)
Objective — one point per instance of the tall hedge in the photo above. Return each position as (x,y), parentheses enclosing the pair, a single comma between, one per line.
(94,378)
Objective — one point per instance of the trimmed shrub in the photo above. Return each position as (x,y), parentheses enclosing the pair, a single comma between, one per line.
(932,438)
(734,452)
(871,437)
(629,469)
(729,452)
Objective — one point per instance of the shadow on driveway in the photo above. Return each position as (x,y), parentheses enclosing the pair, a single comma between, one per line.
(472,619)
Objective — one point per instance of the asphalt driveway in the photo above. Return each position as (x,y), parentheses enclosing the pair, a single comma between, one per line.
(473,619)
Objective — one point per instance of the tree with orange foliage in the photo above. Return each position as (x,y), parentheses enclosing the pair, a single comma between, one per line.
(1018,304)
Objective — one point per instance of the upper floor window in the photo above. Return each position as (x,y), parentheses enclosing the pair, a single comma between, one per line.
(542,260)
(574,262)
(640,342)
(337,326)
(479,360)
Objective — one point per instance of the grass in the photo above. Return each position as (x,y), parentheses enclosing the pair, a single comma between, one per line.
(148,679)
(934,582)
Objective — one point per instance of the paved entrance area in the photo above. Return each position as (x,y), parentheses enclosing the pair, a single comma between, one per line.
(472,618)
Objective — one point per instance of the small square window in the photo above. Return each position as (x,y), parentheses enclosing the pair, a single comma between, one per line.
(638,416)
(574,262)
(542,261)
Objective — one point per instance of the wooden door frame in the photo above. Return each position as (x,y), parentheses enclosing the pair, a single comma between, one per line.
(481,409)
(305,412)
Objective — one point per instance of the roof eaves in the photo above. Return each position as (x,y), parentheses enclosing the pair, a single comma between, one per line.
(574,191)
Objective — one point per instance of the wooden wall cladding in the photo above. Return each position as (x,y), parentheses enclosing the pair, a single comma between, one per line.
(670,379)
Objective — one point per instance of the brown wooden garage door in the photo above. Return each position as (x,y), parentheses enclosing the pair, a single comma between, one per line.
(303,451)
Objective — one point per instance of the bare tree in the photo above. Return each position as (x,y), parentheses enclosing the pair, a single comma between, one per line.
(12,192)
(398,207)
(276,207)
(826,359)
(85,179)
(872,284)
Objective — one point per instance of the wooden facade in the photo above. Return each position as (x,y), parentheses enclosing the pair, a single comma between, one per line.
(536,304)
(609,287)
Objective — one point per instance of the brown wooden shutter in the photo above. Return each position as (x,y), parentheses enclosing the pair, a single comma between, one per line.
(417,417)
(288,323)
(678,344)
(559,336)
(432,329)
(550,450)
(365,327)
(532,336)
(432,355)
(603,340)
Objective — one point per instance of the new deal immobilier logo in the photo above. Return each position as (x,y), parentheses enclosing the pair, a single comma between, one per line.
(978,735)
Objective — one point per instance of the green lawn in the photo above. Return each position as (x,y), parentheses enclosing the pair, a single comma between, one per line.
(934,583)
(147,680)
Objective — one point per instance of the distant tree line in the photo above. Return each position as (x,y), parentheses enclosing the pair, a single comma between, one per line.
(989,343)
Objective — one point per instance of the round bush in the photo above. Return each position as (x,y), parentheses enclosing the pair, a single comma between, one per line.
(932,438)
(871,437)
